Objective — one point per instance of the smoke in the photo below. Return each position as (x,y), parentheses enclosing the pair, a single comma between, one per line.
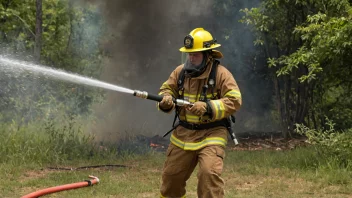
(142,41)
(257,114)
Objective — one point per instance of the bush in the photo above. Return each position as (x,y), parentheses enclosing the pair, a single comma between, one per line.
(332,145)
(61,140)
(68,141)
(50,142)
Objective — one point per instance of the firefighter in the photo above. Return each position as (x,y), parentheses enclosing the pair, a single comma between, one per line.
(200,135)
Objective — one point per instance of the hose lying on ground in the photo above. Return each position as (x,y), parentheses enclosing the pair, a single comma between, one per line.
(88,167)
(46,191)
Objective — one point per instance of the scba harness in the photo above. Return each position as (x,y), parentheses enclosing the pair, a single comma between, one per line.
(226,122)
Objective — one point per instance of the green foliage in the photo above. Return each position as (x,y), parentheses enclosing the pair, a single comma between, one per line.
(17,24)
(308,46)
(325,35)
(246,63)
(53,141)
(48,144)
(331,144)
(68,141)
(327,45)
(71,35)
(61,140)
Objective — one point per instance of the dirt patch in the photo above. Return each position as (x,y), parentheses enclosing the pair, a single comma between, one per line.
(33,174)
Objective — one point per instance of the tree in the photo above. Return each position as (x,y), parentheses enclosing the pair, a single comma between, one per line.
(294,36)
(38,30)
(64,35)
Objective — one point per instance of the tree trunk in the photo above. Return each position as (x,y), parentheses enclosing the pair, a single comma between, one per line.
(280,106)
(71,16)
(288,104)
(5,5)
(312,106)
(302,97)
(38,30)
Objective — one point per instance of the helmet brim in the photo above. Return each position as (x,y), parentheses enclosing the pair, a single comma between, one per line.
(183,49)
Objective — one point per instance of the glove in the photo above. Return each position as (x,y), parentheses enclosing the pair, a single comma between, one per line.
(199,108)
(167,102)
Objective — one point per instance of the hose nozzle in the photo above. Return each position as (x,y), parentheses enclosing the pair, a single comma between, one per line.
(179,102)
(141,94)
(158,98)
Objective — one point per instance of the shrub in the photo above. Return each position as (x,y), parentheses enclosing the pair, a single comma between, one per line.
(331,144)
(45,143)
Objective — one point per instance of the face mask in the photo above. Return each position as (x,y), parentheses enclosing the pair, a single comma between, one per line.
(196,70)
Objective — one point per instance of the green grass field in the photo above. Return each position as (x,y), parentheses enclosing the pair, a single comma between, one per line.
(247,174)
(27,154)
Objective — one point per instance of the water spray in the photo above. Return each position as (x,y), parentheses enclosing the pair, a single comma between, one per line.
(12,65)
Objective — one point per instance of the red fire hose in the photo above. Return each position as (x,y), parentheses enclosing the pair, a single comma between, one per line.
(46,191)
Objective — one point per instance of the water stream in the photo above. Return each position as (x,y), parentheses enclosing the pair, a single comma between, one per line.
(16,66)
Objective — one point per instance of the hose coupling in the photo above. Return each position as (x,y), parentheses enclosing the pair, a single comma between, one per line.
(141,94)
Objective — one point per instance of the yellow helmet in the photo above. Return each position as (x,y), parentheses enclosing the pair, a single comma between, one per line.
(199,40)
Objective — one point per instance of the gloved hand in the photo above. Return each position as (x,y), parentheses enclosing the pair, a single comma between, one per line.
(167,102)
(199,108)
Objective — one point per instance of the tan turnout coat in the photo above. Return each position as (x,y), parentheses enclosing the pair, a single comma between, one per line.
(225,101)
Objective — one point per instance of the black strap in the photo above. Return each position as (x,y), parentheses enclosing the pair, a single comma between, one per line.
(89,182)
(209,125)
(180,82)
(173,128)
(212,77)
(213,71)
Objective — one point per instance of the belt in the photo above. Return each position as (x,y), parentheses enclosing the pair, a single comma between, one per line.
(192,126)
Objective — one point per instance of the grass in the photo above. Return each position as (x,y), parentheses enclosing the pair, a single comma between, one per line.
(247,174)
(26,154)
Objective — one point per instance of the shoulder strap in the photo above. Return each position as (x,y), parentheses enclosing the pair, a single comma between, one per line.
(181,79)
(212,76)
(180,82)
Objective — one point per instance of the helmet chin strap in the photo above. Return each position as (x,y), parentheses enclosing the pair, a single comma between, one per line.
(197,70)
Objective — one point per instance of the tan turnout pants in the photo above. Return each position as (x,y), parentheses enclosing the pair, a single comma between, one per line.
(180,164)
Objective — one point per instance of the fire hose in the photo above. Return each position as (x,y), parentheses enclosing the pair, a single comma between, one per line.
(46,191)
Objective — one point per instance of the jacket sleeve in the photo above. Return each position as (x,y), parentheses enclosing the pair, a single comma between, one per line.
(230,96)
(169,87)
